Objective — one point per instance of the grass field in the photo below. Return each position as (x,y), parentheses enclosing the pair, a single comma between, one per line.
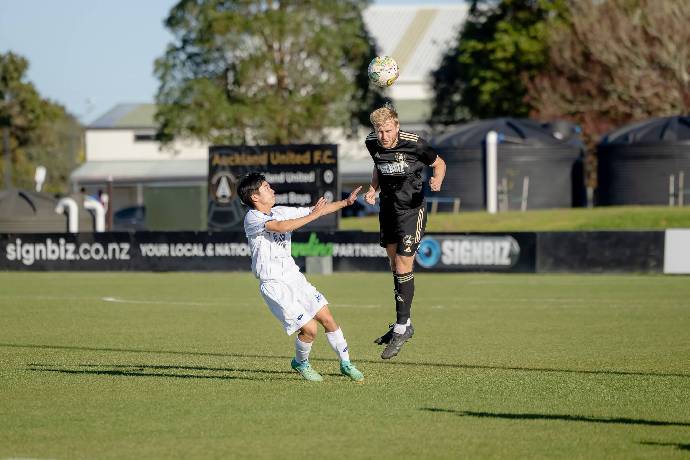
(184,365)
(603,218)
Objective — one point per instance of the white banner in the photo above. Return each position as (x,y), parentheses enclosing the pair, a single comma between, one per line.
(677,251)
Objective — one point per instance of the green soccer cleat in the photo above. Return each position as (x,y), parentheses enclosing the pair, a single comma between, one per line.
(349,369)
(306,370)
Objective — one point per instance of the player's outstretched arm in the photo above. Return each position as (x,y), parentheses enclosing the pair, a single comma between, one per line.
(439,167)
(321,208)
(370,196)
(337,205)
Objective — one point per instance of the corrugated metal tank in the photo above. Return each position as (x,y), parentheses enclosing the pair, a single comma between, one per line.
(550,155)
(645,163)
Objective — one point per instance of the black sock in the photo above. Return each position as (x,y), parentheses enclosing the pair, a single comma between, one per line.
(403,299)
(399,300)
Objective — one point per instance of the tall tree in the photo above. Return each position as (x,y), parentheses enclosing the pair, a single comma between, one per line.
(616,62)
(500,45)
(263,70)
(40,131)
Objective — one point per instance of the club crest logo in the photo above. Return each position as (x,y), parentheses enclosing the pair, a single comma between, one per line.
(400,157)
(407,242)
(223,186)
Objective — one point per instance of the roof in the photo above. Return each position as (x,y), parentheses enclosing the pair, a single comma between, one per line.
(415,36)
(127,116)
(140,171)
(176,170)
(141,116)
(668,130)
(518,131)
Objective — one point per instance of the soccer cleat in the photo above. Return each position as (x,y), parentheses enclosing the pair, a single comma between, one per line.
(306,370)
(385,338)
(349,369)
(396,342)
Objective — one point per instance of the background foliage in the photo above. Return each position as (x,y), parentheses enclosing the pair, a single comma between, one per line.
(500,45)
(615,62)
(41,132)
(265,71)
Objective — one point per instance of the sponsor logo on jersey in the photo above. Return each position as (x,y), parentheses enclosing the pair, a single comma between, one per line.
(280,239)
(392,168)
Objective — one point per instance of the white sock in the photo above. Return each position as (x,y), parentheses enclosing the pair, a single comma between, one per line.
(302,350)
(338,344)
(400,328)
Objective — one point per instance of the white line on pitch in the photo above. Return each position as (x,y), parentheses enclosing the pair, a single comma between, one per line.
(350,305)
(157,302)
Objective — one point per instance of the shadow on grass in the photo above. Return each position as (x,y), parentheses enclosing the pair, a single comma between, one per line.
(677,445)
(564,418)
(139,369)
(138,373)
(394,363)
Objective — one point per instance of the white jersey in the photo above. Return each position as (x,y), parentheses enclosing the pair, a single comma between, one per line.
(271,252)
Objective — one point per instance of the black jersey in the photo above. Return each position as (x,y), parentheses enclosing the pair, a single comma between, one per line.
(400,170)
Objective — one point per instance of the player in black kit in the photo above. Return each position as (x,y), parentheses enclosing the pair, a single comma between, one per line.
(399,161)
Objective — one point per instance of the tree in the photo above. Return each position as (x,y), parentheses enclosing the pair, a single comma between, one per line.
(266,71)
(40,131)
(500,45)
(616,62)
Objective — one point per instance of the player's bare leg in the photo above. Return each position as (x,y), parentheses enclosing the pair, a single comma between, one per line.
(337,341)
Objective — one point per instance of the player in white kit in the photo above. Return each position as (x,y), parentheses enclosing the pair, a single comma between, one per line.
(291,298)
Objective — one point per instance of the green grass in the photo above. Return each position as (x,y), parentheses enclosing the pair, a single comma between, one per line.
(194,366)
(604,218)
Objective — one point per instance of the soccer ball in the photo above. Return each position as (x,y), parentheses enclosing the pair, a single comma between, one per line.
(383,71)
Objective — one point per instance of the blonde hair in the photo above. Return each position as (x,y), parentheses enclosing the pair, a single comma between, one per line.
(382,115)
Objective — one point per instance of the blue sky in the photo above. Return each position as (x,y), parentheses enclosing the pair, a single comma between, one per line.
(90,55)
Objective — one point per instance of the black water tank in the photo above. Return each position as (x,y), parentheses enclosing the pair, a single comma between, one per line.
(645,163)
(550,155)
(26,211)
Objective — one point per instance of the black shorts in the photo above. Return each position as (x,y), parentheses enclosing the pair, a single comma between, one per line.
(405,230)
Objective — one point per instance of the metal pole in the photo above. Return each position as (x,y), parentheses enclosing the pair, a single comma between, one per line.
(671,190)
(590,197)
(525,191)
(8,157)
(504,195)
(109,209)
(491,171)
(681,188)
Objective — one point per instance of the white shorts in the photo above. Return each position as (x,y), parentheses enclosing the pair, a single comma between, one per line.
(293,301)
